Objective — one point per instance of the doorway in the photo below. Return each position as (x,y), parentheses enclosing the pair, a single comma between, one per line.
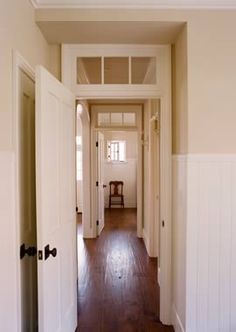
(119,163)
(26,188)
(45,201)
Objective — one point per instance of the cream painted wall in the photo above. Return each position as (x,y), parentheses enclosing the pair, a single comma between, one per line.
(211,76)
(127,171)
(55,60)
(179,94)
(19,32)
(211,82)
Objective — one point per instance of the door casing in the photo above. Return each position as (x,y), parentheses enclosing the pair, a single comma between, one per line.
(19,64)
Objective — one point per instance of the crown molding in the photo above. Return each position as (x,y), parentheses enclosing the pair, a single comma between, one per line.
(218,5)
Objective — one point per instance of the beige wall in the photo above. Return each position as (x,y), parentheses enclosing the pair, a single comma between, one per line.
(211,76)
(211,82)
(55,60)
(19,32)
(179,94)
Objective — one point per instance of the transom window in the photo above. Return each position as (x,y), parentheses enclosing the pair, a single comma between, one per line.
(116,119)
(116,151)
(116,70)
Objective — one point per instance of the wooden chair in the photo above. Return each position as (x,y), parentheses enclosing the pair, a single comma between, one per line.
(116,196)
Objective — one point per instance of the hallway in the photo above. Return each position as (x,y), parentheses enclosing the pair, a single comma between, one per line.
(117,281)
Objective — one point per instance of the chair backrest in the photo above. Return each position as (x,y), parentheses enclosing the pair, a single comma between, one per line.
(116,187)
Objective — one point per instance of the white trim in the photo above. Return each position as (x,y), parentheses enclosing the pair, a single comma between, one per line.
(160,91)
(146,242)
(166,193)
(19,63)
(211,157)
(178,326)
(70,53)
(86,210)
(138,129)
(181,6)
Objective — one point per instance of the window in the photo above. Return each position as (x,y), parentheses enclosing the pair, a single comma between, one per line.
(116,119)
(116,151)
(89,70)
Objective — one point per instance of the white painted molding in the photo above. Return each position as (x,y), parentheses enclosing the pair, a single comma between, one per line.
(146,242)
(178,326)
(136,4)
(211,157)
(18,64)
(70,53)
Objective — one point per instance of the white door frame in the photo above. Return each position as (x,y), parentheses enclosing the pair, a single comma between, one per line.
(138,130)
(165,269)
(163,92)
(19,64)
(86,211)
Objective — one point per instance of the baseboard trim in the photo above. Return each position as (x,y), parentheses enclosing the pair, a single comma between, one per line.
(176,321)
(147,245)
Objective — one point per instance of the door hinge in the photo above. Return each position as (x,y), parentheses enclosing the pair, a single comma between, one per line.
(97,222)
(96,183)
(163,223)
(97,144)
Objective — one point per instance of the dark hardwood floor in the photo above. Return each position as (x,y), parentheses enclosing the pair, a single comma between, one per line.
(118,288)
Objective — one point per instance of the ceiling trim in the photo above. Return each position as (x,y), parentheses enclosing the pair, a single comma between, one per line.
(222,6)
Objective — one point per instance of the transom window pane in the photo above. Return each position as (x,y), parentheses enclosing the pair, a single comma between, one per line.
(129,119)
(116,70)
(89,70)
(116,118)
(143,70)
(103,119)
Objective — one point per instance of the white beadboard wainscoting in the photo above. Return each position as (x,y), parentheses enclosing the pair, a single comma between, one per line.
(8,276)
(211,243)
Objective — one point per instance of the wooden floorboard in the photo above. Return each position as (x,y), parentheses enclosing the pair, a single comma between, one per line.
(118,289)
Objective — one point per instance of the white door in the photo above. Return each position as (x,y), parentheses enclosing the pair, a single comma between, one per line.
(27,202)
(100,181)
(56,204)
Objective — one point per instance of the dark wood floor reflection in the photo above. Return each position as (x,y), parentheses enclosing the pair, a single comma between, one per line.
(118,290)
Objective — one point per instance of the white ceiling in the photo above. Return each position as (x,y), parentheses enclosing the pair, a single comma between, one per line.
(136,3)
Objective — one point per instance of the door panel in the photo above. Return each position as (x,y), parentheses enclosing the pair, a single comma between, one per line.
(56,204)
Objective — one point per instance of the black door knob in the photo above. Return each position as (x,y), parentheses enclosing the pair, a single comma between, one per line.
(30,251)
(48,252)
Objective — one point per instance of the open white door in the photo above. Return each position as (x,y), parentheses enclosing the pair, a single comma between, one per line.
(56,205)
(100,181)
